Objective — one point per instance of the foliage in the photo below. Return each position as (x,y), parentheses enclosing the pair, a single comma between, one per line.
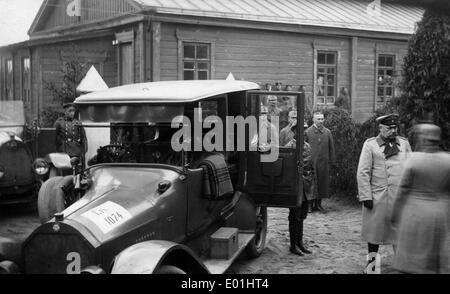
(344,132)
(426,71)
(72,73)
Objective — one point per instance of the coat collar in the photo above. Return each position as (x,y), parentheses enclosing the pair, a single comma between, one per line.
(317,129)
(381,142)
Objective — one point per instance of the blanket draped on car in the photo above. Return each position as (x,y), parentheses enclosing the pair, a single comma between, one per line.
(216,177)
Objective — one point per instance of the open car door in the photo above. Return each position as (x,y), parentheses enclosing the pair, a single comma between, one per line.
(274,168)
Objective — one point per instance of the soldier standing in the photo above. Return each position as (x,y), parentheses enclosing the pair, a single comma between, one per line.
(70,137)
(298,214)
(379,170)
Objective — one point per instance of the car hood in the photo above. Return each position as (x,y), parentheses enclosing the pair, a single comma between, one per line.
(123,198)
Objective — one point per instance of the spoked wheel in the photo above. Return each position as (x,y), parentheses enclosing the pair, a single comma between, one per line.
(257,245)
(169,270)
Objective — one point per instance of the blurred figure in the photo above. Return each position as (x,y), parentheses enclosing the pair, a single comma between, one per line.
(287,133)
(322,154)
(421,209)
(343,100)
(379,170)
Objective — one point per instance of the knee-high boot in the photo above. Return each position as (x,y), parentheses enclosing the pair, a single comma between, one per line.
(293,231)
(300,244)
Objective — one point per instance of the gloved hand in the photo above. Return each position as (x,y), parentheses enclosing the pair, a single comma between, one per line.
(368,204)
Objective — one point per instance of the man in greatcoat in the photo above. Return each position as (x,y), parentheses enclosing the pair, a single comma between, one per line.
(70,137)
(379,171)
(323,156)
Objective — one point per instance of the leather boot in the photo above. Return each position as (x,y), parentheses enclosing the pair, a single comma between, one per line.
(293,239)
(319,206)
(300,244)
(310,206)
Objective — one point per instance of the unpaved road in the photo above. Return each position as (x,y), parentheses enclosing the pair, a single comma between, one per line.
(334,238)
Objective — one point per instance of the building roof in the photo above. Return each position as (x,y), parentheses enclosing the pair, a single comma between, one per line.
(391,17)
(166,92)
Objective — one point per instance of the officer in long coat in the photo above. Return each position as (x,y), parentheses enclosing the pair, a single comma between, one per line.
(70,137)
(422,207)
(379,170)
(323,156)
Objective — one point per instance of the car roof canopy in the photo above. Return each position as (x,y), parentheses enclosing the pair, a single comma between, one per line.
(165,92)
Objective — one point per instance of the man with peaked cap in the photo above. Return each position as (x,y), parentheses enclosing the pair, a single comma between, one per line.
(379,170)
(70,137)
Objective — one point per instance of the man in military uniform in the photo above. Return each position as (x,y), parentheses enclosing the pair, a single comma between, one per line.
(70,137)
(379,171)
(298,214)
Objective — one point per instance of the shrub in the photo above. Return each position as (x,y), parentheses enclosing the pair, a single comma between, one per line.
(344,132)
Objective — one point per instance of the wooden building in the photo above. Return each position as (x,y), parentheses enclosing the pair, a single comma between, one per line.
(324,45)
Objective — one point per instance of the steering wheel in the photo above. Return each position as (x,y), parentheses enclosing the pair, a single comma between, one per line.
(114,153)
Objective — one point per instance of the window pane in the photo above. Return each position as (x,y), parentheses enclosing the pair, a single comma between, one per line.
(203,65)
(202,51)
(188,65)
(330,80)
(388,91)
(320,100)
(381,61)
(188,75)
(330,91)
(380,91)
(202,75)
(189,51)
(381,72)
(330,100)
(389,72)
(321,70)
(330,70)
(9,66)
(331,58)
(321,58)
(390,61)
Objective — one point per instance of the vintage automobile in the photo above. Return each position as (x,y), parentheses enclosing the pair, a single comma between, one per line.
(20,175)
(140,207)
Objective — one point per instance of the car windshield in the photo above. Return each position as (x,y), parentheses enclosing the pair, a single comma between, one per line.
(12,118)
(130,133)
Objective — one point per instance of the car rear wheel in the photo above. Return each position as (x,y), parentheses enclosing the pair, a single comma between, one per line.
(169,270)
(50,199)
(257,245)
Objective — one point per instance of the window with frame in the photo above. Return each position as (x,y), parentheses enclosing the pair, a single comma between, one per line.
(326,77)
(196,61)
(26,92)
(9,79)
(385,78)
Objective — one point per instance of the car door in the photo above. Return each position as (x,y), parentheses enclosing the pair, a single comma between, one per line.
(273,172)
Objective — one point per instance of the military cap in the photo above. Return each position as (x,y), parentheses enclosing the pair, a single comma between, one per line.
(272,98)
(428,132)
(67,105)
(388,120)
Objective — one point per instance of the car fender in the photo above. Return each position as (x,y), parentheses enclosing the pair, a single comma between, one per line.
(10,250)
(59,160)
(146,257)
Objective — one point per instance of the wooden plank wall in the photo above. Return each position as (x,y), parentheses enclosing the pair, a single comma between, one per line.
(92,10)
(256,55)
(368,49)
(51,60)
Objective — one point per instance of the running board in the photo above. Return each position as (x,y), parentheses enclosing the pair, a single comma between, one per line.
(219,266)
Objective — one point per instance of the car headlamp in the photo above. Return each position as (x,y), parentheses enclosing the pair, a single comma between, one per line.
(40,166)
(2,172)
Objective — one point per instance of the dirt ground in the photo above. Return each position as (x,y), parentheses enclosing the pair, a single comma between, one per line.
(333,237)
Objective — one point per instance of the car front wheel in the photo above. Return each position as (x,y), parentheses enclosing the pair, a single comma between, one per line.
(257,245)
